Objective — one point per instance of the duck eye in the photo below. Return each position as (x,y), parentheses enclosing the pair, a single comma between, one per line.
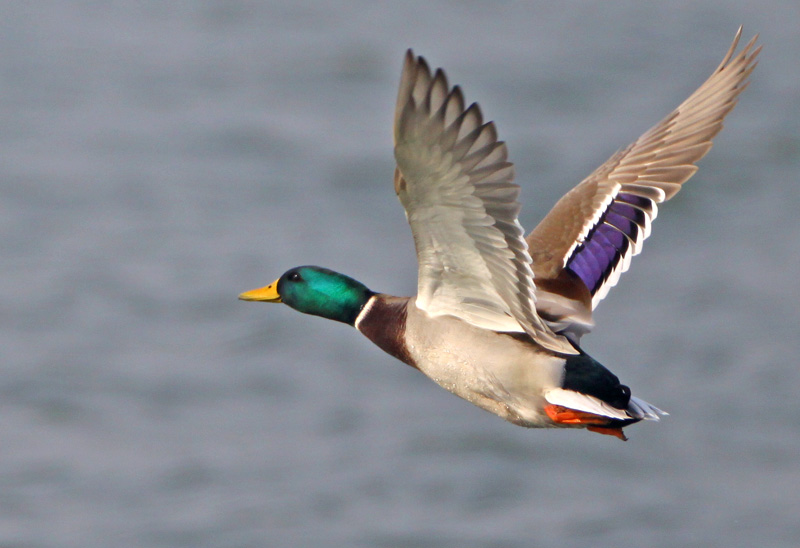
(294,277)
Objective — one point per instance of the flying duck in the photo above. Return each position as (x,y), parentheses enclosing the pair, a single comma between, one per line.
(498,316)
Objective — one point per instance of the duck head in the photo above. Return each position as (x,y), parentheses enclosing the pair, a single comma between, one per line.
(317,291)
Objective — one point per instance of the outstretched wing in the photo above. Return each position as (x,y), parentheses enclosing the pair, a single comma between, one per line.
(587,240)
(454,180)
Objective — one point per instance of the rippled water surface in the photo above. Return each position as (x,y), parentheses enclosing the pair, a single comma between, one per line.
(158,158)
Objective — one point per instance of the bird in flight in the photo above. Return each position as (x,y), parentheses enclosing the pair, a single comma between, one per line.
(498,316)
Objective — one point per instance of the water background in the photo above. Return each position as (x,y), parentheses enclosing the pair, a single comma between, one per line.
(160,157)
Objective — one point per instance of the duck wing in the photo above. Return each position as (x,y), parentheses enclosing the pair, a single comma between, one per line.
(455,183)
(588,239)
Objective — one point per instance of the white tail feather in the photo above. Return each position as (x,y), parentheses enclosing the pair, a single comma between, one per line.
(637,408)
(640,409)
(584,402)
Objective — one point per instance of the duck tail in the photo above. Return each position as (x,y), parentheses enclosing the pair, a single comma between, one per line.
(641,410)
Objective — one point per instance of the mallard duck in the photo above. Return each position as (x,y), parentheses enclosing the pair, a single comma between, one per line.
(498,316)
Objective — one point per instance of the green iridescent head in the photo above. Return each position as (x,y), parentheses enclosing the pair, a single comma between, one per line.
(315,290)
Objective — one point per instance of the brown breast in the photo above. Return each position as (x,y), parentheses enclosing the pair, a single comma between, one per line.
(384,323)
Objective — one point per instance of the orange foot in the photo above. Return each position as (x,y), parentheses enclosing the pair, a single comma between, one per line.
(615,431)
(594,423)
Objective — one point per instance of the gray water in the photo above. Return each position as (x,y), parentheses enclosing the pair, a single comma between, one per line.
(159,158)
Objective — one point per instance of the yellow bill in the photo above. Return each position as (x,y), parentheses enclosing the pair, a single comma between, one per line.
(268,294)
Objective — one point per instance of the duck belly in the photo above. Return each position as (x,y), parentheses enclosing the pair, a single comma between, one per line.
(495,371)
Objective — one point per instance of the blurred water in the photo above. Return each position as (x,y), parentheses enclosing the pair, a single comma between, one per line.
(159,158)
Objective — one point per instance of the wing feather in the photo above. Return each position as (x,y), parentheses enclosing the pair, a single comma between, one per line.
(455,183)
(572,243)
